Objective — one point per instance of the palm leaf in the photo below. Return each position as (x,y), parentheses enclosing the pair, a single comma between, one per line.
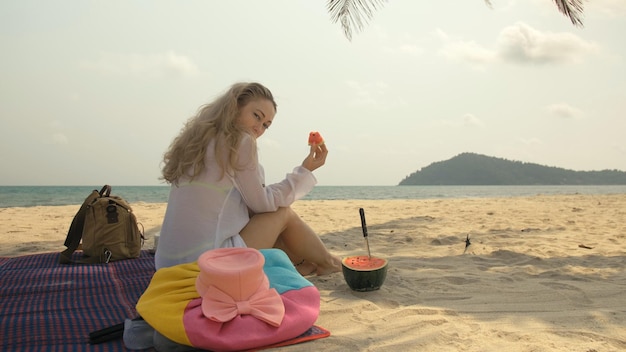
(356,13)
(352,13)
(572,9)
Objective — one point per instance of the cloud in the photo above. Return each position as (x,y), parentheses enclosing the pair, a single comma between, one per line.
(140,65)
(518,44)
(73,96)
(410,49)
(269,143)
(563,110)
(373,95)
(55,124)
(471,120)
(57,139)
(467,120)
(403,49)
(608,8)
(402,45)
(521,43)
(530,141)
(468,51)
(604,8)
(620,149)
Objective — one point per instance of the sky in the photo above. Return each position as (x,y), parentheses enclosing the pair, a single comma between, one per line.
(93,92)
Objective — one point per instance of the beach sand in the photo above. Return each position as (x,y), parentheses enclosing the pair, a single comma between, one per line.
(524,284)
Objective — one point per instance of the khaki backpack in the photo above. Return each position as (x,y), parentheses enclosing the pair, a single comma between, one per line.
(108,229)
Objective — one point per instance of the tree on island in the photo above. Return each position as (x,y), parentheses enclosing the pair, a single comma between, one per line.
(356,13)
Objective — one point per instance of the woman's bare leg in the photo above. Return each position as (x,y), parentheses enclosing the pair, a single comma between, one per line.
(304,267)
(285,229)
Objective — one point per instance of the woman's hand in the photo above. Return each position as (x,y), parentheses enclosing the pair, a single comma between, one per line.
(316,157)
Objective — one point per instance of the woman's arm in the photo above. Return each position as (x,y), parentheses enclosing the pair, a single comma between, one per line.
(249,180)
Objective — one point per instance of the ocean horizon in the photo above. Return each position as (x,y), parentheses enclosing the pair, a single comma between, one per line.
(29,196)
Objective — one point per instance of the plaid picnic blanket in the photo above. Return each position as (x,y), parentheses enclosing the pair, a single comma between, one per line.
(46,306)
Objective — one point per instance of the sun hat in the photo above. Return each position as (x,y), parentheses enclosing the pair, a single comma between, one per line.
(192,303)
(232,282)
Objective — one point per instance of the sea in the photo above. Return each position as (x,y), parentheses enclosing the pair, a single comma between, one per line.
(30,196)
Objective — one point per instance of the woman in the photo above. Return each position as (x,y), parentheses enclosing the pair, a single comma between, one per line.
(218,196)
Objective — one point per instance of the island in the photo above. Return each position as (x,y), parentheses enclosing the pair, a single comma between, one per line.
(477,169)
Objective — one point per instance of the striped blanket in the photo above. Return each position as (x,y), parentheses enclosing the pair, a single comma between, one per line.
(46,306)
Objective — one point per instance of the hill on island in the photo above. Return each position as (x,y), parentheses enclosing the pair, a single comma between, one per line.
(476,169)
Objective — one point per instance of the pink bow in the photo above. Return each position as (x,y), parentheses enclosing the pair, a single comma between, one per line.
(265,305)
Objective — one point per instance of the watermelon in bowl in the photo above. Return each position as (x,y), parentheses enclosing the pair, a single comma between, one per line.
(364,273)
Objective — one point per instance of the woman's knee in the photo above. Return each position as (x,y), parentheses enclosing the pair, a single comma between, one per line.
(277,221)
(285,213)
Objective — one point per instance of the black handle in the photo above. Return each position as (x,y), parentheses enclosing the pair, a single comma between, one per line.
(363,225)
(105,191)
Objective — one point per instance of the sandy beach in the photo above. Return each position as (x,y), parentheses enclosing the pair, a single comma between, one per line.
(543,273)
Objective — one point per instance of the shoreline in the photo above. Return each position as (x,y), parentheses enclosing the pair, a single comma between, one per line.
(29,196)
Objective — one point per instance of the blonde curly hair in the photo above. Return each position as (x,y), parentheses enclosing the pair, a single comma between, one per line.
(185,155)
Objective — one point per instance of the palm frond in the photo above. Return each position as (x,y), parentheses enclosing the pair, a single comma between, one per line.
(352,13)
(356,13)
(572,9)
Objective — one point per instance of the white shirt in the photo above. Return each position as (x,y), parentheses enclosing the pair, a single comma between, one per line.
(210,211)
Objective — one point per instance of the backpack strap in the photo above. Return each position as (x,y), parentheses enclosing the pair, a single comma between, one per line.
(75,233)
(113,332)
(105,191)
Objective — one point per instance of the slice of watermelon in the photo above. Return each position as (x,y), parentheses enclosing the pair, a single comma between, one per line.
(364,273)
(315,138)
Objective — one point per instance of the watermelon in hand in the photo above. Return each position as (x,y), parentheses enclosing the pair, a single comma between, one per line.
(364,273)
(315,138)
